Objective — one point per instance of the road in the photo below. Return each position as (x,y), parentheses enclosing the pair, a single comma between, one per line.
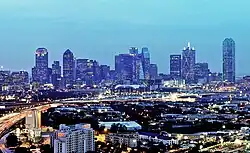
(2,144)
(9,120)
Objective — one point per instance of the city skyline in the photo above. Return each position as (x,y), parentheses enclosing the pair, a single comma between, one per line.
(132,76)
(106,34)
(112,65)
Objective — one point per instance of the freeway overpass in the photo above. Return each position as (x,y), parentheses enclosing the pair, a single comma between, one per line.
(9,120)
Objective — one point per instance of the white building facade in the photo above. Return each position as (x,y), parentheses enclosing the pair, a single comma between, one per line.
(77,138)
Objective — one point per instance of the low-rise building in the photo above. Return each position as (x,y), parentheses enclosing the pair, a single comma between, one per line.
(157,138)
(127,139)
(130,125)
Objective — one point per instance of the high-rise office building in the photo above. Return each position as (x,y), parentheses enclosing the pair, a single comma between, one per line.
(4,77)
(87,71)
(188,64)
(56,74)
(153,71)
(124,66)
(229,60)
(137,67)
(96,72)
(175,67)
(40,71)
(20,77)
(105,72)
(146,63)
(137,64)
(201,73)
(77,138)
(141,73)
(68,67)
(83,70)
(50,75)
(113,75)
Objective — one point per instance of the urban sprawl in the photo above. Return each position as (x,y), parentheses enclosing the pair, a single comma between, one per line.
(82,106)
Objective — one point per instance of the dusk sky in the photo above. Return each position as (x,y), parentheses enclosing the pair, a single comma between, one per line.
(100,29)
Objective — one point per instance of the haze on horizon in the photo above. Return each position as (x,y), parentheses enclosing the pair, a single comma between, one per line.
(100,29)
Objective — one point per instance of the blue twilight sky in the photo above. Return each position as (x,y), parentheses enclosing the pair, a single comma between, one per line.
(99,29)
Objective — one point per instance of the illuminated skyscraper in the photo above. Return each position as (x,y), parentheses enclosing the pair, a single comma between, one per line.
(153,71)
(229,60)
(40,71)
(188,64)
(124,66)
(20,77)
(56,74)
(175,67)
(201,73)
(105,72)
(137,63)
(146,63)
(68,67)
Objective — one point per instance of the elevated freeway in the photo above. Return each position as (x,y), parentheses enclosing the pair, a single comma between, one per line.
(7,121)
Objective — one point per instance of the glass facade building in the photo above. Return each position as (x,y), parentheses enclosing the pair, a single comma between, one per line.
(229,60)
(40,71)
(146,63)
(175,67)
(188,64)
(68,67)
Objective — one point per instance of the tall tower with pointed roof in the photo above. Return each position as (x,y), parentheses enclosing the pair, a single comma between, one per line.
(68,67)
(188,64)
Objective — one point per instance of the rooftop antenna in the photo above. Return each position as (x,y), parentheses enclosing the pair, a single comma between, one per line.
(189,45)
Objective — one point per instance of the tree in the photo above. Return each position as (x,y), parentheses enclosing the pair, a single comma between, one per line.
(118,128)
(22,150)
(114,128)
(33,147)
(46,149)
(12,140)
(162,147)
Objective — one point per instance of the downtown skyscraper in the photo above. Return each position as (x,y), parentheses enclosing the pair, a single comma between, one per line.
(201,73)
(68,67)
(228,60)
(124,67)
(136,65)
(188,64)
(153,71)
(56,74)
(40,71)
(175,67)
(87,71)
(145,63)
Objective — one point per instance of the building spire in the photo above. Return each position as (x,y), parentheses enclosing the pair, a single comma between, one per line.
(189,46)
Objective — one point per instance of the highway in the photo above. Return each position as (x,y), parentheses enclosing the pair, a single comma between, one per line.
(2,144)
(9,120)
